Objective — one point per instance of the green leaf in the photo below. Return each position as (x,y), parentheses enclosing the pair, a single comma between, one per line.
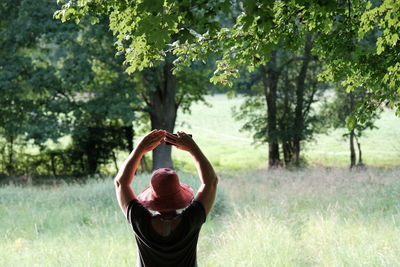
(94,20)
(351,122)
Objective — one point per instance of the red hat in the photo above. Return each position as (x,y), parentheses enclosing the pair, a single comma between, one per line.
(165,192)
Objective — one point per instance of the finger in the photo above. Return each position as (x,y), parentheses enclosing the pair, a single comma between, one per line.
(152,133)
(180,133)
(158,133)
(169,140)
(170,136)
(157,138)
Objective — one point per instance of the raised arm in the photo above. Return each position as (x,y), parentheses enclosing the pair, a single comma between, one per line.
(209,181)
(126,174)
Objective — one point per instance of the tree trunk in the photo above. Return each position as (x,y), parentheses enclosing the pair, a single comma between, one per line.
(352,135)
(287,153)
(360,161)
(53,164)
(352,150)
(163,114)
(114,158)
(270,76)
(144,167)
(300,88)
(91,150)
(129,134)
(284,122)
(10,163)
(83,164)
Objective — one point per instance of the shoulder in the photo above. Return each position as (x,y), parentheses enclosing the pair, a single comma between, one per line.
(136,212)
(195,213)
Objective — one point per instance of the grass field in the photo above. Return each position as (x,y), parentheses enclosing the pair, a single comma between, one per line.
(321,216)
(228,148)
(318,217)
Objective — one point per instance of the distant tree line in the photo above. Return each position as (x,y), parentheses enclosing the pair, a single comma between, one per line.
(124,66)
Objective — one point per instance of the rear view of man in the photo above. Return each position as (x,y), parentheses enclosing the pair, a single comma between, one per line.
(166,238)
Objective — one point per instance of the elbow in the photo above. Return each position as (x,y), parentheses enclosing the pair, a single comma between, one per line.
(117,182)
(216,181)
(211,183)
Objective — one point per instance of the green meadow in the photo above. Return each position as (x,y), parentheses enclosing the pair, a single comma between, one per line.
(323,215)
(229,148)
(315,217)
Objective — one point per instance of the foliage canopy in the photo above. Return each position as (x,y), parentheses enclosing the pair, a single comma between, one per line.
(244,32)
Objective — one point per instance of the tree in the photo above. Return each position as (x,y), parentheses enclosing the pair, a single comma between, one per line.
(338,114)
(66,79)
(100,96)
(363,44)
(52,85)
(163,89)
(23,78)
(341,27)
(287,72)
(148,32)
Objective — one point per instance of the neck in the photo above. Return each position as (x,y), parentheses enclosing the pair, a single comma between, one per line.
(168,213)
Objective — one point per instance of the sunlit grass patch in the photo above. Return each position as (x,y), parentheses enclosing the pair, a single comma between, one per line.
(102,250)
(254,238)
(337,242)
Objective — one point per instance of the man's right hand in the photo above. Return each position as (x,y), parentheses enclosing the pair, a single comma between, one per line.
(182,141)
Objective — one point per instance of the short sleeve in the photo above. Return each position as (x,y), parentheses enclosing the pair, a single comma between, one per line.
(195,214)
(136,213)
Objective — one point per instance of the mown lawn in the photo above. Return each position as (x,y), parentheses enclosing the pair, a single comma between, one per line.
(317,217)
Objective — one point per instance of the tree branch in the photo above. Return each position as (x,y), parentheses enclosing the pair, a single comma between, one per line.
(289,62)
(145,99)
(68,97)
(311,100)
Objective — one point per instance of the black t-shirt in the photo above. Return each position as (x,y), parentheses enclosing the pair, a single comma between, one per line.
(177,249)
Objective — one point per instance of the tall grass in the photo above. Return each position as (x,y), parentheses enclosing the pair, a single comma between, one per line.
(324,217)
(319,217)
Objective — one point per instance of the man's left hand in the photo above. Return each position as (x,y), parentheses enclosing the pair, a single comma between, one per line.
(151,140)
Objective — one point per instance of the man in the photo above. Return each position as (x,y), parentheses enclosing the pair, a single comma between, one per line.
(166,238)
